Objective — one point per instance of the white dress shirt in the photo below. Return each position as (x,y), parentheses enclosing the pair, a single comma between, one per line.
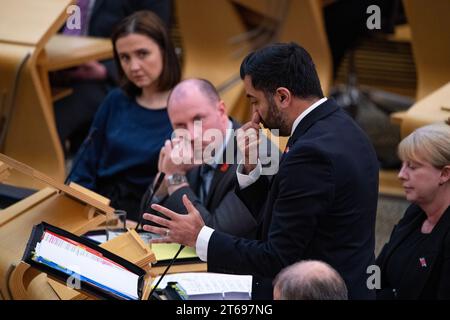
(201,245)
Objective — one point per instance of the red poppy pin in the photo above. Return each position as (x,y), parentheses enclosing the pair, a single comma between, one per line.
(423,262)
(224,167)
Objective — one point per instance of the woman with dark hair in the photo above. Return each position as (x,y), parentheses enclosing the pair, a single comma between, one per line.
(415,263)
(120,156)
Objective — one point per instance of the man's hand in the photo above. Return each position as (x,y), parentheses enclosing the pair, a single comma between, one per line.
(92,70)
(248,140)
(181,228)
(171,158)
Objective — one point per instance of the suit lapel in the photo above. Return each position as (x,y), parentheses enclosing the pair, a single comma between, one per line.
(322,111)
(221,173)
(224,170)
(193,177)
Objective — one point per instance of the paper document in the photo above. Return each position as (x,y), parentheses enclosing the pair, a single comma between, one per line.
(210,286)
(166,251)
(71,257)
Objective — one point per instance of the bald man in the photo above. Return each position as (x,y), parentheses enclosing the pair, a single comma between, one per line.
(309,280)
(211,186)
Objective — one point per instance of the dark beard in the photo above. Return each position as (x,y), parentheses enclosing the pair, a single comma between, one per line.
(275,119)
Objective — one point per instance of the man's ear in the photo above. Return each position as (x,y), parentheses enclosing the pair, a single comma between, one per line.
(283,96)
(222,107)
(445,175)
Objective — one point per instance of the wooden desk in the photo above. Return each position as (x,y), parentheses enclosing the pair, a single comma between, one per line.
(30,22)
(66,51)
(402,33)
(29,50)
(178,268)
(433,108)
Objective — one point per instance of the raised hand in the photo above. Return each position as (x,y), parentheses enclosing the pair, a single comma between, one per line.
(180,228)
(248,141)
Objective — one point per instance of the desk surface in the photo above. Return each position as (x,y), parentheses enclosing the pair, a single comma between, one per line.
(68,51)
(177,268)
(434,107)
(31,22)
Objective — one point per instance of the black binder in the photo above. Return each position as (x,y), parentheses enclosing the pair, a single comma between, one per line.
(86,285)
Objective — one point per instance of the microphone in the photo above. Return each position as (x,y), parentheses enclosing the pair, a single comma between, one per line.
(165,271)
(80,153)
(158,183)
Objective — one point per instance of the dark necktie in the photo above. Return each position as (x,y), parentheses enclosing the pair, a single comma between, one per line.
(206,176)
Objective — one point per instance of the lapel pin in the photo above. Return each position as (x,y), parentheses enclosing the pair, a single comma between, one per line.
(423,262)
(286,150)
(224,167)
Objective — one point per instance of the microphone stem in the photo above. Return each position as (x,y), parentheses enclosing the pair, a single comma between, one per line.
(155,189)
(165,271)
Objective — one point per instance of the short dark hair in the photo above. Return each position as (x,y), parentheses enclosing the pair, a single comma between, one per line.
(283,65)
(148,24)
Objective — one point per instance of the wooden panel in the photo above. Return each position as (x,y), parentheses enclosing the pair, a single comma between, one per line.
(77,194)
(266,8)
(207,29)
(57,210)
(382,64)
(66,51)
(390,184)
(433,108)
(430,26)
(31,22)
(304,24)
(60,93)
(31,136)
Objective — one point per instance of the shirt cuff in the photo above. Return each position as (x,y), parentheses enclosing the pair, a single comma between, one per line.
(246,180)
(201,246)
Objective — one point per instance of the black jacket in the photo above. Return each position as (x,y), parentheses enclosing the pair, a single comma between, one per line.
(320,205)
(431,281)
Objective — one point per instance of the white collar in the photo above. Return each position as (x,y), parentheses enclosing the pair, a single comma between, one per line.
(306,112)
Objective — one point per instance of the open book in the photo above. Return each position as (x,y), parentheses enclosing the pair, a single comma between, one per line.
(208,286)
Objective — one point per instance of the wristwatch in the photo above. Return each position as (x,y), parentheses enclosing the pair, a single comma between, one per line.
(176,179)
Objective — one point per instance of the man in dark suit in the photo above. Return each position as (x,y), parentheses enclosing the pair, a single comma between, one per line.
(91,81)
(209,186)
(321,205)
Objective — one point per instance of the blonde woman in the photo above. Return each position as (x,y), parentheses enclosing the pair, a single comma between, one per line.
(415,263)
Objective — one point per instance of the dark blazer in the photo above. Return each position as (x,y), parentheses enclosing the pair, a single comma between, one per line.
(222,210)
(430,282)
(107,14)
(320,205)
